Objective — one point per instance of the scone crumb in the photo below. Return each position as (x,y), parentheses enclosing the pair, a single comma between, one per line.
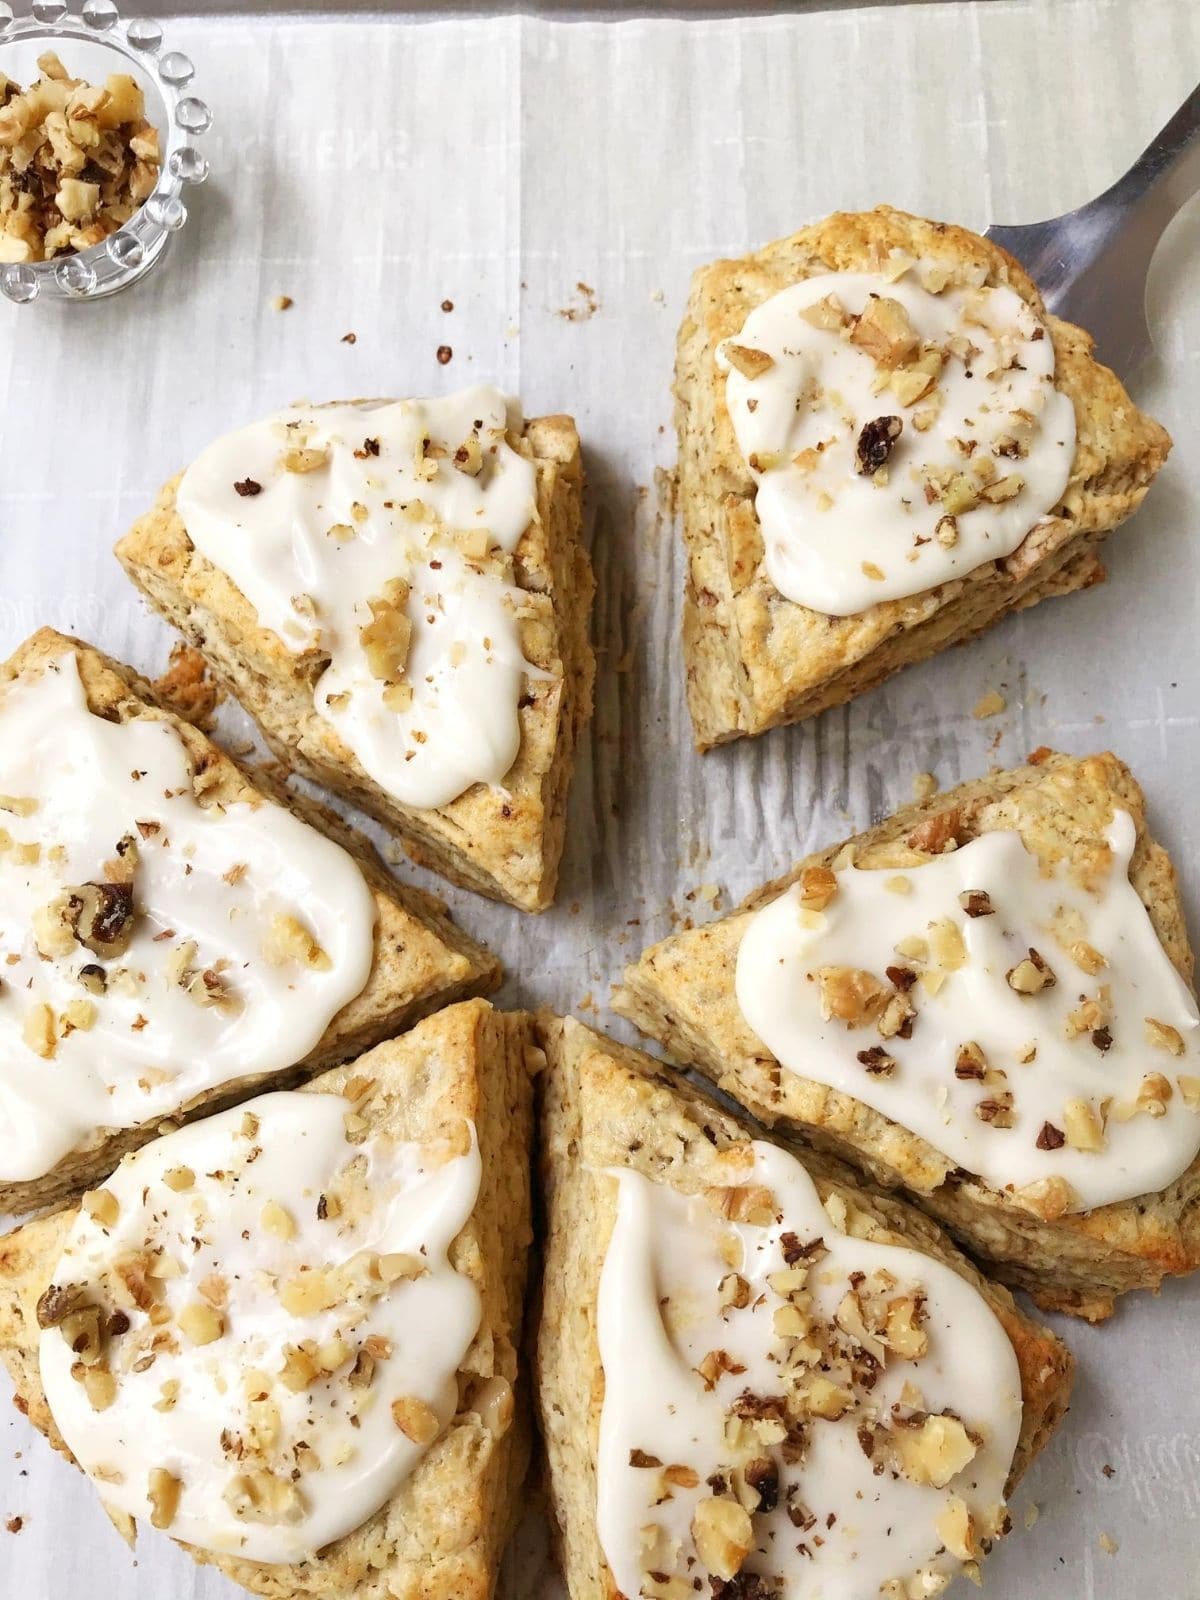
(1108,1544)
(989,705)
(924,786)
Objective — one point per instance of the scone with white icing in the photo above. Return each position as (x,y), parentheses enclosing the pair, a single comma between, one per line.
(986,999)
(399,594)
(172,936)
(287,1335)
(758,1380)
(885,444)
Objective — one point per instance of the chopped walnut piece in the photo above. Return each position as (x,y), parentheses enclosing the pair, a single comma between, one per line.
(749,362)
(1050,1138)
(970,1062)
(1030,976)
(935,1451)
(956,1529)
(1083,1125)
(877,1061)
(1049,1198)
(996,1110)
(303,459)
(278,1220)
(179,1178)
(714,1364)
(904,1327)
(308,1293)
(163,1490)
(743,1203)
(102,1206)
(828,314)
(850,995)
(415,1419)
(261,1496)
(976,903)
(724,1535)
(38,1030)
(201,1323)
(388,635)
(885,332)
(896,1018)
(733,1292)
(1189,1089)
(818,886)
(1164,1037)
(289,940)
(946,532)
(1153,1094)
(468,458)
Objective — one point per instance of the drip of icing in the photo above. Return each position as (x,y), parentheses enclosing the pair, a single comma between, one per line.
(228,1420)
(839,540)
(144,1047)
(1048,1047)
(382,499)
(661,1314)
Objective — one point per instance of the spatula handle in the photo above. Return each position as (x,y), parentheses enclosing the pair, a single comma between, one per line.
(1165,176)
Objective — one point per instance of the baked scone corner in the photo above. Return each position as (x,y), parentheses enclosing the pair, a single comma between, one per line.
(440,1534)
(419,959)
(1129,1071)
(503,838)
(756,658)
(609,1113)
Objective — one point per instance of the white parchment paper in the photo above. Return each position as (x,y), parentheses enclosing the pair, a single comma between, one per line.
(372,170)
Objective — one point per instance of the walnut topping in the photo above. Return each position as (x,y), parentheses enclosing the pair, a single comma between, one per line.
(850,995)
(277,1220)
(818,886)
(934,1451)
(828,314)
(1049,1198)
(1154,1093)
(743,1203)
(247,488)
(956,1529)
(38,1030)
(997,1110)
(163,1490)
(976,903)
(1083,1125)
(102,1206)
(970,1063)
(946,532)
(415,1420)
(387,637)
(1050,1137)
(101,916)
(201,1323)
(304,459)
(877,1061)
(876,442)
(724,1535)
(1164,1037)
(261,1496)
(750,363)
(714,1364)
(1189,1089)
(1030,976)
(885,332)
(289,940)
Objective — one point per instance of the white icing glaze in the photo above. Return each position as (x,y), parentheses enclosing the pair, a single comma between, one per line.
(660,1315)
(151,1048)
(417,1199)
(823,523)
(861,928)
(311,587)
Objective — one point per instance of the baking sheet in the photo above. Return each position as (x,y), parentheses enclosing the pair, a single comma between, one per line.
(558,181)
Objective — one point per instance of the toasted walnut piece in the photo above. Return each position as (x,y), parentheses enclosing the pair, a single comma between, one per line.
(1002,489)
(1049,1198)
(743,1203)
(850,995)
(1050,1138)
(946,532)
(100,1387)
(1083,1125)
(1153,1094)
(38,1030)
(875,444)
(885,332)
(828,314)
(101,916)
(819,1396)
(278,1220)
(934,1452)
(946,948)
(976,903)
(1164,1037)
(904,1327)
(713,1364)
(299,1371)
(724,1535)
(398,1267)
(53,932)
(201,1323)
(996,1110)
(289,940)
(818,886)
(1030,976)
(388,635)
(877,1061)
(179,1178)
(102,1206)
(749,362)
(896,1018)
(78,1016)
(93,978)
(304,459)
(261,1496)
(163,1490)
(58,1302)
(956,1529)
(733,1293)
(970,1062)
(308,1293)
(415,1420)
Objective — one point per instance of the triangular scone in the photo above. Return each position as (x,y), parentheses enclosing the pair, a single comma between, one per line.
(643,1179)
(755,658)
(411,957)
(503,839)
(439,1530)
(1000,1083)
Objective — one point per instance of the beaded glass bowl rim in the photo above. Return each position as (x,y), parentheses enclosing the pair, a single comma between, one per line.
(126,255)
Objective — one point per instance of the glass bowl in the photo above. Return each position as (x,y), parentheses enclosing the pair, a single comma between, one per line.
(94,43)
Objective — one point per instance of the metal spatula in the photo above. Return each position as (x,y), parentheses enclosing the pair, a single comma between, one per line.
(1091,264)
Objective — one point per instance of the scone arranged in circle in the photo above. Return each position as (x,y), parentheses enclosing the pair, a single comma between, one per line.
(885,445)
(986,999)
(399,594)
(287,1335)
(173,937)
(756,1379)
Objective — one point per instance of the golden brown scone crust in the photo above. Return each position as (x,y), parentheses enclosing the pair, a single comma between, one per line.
(604,1105)
(441,1535)
(755,659)
(505,843)
(681,992)
(422,960)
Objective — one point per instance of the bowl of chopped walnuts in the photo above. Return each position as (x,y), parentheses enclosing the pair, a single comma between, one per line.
(98,130)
